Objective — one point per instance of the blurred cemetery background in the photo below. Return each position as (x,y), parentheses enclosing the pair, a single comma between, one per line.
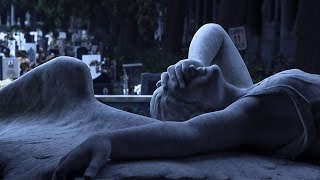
(128,43)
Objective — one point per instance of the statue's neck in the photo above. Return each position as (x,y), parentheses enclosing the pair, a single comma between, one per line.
(233,93)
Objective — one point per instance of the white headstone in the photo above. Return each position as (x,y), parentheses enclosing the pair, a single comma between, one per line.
(19,37)
(35,35)
(62,35)
(12,47)
(93,62)
(2,35)
(10,68)
(50,38)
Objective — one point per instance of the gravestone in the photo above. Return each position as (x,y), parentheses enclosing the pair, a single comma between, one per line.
(148,82)
(19,36)
(31,50)
(12,47)
(133,71)
(80,51)
(9,68)
(238,37)
(93,62)
(3,35)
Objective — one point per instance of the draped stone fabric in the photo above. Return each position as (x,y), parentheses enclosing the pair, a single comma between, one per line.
(52,109)
(303,90)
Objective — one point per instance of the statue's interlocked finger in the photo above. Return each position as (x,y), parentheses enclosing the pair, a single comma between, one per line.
(172,77)
(179,75)
(164,80)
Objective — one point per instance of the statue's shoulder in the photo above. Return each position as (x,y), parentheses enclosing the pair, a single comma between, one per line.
(294,79)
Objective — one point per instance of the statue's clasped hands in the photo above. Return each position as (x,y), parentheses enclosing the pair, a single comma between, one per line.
(180,73)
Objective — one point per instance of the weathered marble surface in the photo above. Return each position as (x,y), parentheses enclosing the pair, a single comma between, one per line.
(49,111)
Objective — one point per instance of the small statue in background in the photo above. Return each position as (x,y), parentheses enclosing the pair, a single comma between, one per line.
(27,22)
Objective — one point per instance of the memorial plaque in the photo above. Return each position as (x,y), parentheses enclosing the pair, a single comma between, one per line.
(238,36)
(9,68)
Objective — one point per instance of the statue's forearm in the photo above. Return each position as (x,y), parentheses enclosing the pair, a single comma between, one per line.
(202,134)
(156,140)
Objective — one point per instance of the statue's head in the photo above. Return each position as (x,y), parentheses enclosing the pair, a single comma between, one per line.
(202,94)
(164,106)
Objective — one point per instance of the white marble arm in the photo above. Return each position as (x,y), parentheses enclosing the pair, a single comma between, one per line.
(202,134)
(208,132)
(248,121)
(212,45)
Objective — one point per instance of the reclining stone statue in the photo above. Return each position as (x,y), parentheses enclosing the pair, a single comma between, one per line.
(202,113)
(206,103)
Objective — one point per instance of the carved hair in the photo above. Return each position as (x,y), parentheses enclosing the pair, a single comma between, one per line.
(168,108)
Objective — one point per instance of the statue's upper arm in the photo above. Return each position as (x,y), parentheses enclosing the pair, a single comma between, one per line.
(232,125)
(244,109)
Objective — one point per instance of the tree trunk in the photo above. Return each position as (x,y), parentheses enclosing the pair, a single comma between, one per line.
(174,25)
(208,9)
(232,13)
(127,36)
(308,28)
(198,17)
(288,40)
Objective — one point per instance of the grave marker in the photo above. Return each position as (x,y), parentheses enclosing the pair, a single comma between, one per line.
(238,36)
